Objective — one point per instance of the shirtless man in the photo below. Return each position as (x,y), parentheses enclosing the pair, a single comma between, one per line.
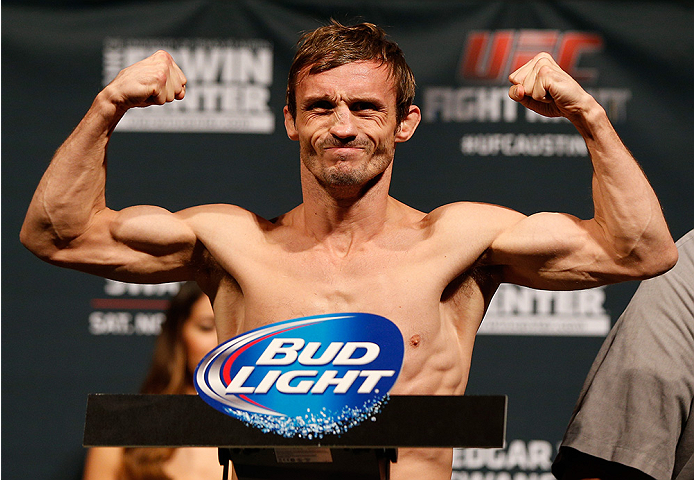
(350,246)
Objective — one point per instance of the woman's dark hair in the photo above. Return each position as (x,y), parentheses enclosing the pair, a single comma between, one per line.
(168,372)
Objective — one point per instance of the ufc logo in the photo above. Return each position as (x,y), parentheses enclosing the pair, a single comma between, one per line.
(492,56)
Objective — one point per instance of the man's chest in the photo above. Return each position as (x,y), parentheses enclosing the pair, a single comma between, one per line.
(412,287)
(403,275)
(288,285)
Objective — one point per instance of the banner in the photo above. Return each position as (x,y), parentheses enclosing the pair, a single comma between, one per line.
(66,334)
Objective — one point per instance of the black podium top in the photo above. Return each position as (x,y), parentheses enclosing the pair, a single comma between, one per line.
(186,420)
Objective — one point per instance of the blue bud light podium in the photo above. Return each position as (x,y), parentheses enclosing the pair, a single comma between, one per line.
(363,452)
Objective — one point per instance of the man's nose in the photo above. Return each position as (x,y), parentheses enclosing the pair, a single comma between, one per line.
(343,124)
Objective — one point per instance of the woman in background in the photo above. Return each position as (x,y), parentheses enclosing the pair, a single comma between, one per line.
(187,334)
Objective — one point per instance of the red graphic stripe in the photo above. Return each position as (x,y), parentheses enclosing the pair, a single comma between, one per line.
(129,304)
(226,372)
(255,403)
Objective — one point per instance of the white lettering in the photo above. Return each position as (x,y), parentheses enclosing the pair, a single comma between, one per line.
(268,381)
(149,324)
(519,455)
(117,289)
(228,88)
(544,301)
(110,323)
(220,99)
(530,145)
(590,302)
(306,357)
(236,384)
(341,384)
(283,382)
(464,475)
(513,299)
(256,66)
(472,458)
(289,349)
(516,455)
(372,378)
(277,347)
(539,454)
(473,476)
(468,104)
(345,355)
(493,105)
(199,64)
(518,310)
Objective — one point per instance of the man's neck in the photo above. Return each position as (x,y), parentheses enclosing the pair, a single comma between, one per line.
(345,215)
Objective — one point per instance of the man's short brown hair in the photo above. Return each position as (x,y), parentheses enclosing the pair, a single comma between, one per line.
(335,45)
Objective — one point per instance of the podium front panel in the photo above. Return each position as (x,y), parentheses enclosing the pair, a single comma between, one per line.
(186,420)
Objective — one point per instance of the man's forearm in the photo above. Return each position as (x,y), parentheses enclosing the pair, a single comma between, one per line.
(626,207)
(72,189)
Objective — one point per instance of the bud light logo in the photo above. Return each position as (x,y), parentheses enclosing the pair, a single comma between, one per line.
(305,377)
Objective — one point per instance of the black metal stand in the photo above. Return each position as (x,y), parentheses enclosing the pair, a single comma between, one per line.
(309,463)
(363,452)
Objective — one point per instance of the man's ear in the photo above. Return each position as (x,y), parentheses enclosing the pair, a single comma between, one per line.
(290,125)
(408,125)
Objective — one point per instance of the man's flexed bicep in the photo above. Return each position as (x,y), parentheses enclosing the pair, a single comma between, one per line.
(138,244)
(628,237)
(558,251)
(68,222)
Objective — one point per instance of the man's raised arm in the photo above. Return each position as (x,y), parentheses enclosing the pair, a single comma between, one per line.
(626,239)
(68,223)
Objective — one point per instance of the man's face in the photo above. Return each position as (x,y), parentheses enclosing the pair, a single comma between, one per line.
(345,123)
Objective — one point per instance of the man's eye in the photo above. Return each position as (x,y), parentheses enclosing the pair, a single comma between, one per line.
(320,105)
(360,106)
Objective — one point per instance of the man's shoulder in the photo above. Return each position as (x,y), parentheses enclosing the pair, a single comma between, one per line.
(469,228)
(216,212)
(474,213)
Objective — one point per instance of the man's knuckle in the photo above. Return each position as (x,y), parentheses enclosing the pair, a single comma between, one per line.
(545,70)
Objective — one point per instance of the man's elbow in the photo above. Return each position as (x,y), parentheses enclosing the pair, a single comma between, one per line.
(37,242)
(30,242)
(668,258)
(656,261)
